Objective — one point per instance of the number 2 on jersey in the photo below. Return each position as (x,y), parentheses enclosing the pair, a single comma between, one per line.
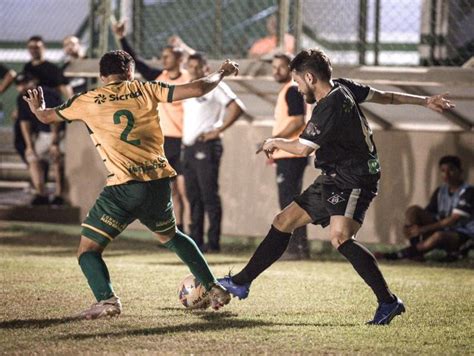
(128,128)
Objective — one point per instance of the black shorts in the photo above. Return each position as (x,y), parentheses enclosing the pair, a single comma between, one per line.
(172,148)
(324,199)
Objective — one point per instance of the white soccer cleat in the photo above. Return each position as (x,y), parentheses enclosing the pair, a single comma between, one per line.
(105,308)
(219,296)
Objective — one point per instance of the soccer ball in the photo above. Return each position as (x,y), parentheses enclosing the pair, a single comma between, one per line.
(192,294)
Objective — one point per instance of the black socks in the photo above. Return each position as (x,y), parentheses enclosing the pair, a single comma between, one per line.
(365,264)
(268,252)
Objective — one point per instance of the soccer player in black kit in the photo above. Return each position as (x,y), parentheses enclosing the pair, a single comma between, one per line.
(340,196)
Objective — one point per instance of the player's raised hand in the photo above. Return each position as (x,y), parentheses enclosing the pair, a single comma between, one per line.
(439,103)
(120,28)
(35,99)
(229,67)
(175,41)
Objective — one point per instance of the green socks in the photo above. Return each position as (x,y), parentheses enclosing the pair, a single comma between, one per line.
(97,274)
(189,253)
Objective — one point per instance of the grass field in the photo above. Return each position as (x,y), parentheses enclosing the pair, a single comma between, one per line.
(295,307)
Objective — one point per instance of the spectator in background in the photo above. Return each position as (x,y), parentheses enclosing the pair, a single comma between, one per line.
(47,73)
(205,119)
(447,222)
(7,77)
(268,45)
(74,51)
(289,123)
(42,141)
(171,114)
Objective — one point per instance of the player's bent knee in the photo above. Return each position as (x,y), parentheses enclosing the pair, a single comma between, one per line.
(283,223)
(87,244)
(338,238)
(167,235)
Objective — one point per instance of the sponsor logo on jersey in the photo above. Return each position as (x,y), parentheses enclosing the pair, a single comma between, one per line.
(312,129)
(101,98)
(147,166)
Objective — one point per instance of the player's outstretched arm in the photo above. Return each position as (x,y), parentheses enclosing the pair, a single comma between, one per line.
(296,147)
(35,100)
(437,103)
(204,85)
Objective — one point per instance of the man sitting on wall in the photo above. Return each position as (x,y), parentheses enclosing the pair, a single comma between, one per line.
(447,222)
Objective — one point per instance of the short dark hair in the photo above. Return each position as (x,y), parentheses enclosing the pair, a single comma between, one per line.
(284,56)
(177,51)
(452,160)
(198,56)
(115,62)
(314,61)
(35,38)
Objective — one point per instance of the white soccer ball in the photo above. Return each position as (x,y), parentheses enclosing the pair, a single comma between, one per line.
(192,294)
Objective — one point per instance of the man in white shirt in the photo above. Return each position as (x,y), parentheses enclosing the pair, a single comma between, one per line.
(205,118)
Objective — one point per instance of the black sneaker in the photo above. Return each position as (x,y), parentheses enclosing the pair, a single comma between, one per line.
(40,200)
(57,200)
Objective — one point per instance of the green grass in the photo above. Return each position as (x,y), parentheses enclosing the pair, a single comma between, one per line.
(294,307)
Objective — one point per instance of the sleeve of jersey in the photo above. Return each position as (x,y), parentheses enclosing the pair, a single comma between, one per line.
(72,109)
(466,203)
(321,128)
(360,91)
(224,94)
(295,101)
(160,91)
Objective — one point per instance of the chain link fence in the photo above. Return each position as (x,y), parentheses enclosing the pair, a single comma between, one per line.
(216,27)
(373,32)
(391,32)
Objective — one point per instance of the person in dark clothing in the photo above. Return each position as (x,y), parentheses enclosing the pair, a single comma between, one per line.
(447,222)
(339,134)
(42,144)
(48,74)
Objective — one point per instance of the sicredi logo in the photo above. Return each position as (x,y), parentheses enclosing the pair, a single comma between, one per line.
(101,98)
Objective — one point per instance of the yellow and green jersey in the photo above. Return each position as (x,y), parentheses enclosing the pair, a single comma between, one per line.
(124,125)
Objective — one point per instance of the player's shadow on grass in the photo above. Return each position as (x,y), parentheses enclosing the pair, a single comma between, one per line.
(211,262)
(35,323)
(214,324)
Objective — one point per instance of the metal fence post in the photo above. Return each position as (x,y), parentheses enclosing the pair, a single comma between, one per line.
(298,24)
(218,29)
(283,14)
(377,33)
(362,42)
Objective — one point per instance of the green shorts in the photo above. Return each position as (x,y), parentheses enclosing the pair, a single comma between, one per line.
(119,205)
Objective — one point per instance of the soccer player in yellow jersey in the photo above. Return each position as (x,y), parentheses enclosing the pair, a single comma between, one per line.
(124,124)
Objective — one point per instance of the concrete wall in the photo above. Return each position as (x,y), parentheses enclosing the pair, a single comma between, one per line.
(248,188)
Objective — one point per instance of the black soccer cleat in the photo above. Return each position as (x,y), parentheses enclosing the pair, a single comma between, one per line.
(387,311)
